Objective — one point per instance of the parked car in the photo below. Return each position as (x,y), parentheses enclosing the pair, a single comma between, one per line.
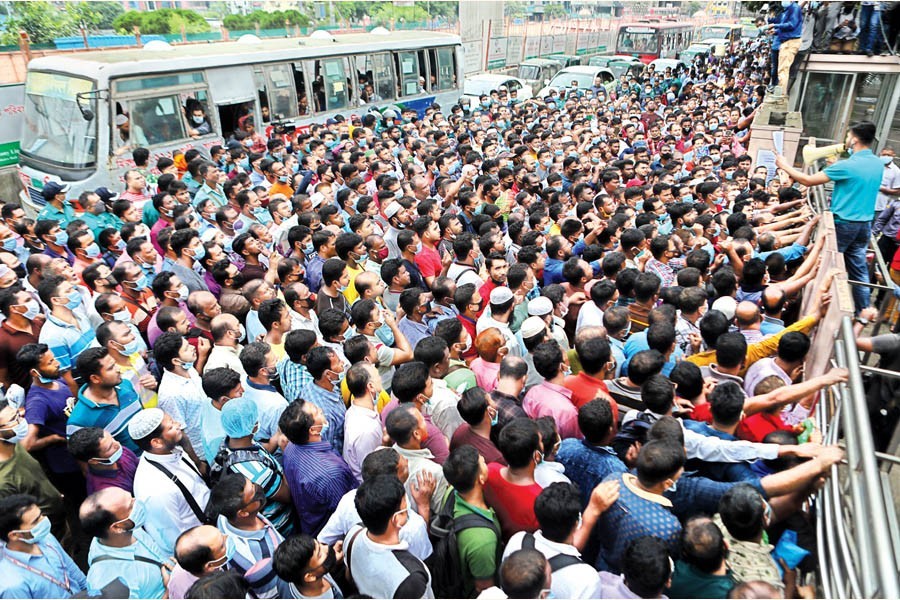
(661,64)
(582,75)
(623,65)
(566,60)
(718,46)
(485,83)
(687,55)
(537,72)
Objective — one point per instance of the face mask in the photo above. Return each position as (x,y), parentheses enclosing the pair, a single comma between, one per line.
(20,430)
(183,293)
(197,120)
(74,298)
(324,429)
(385,334)
(336,380)
(199,252)
(38,533)
(495,419)
(120,245)
(131,347)
(113,459)
(243,333)
(188,365)
(138,514)
(230,549)
(123,316)
(9,244)
(308,249)
(61,238)
(31,310)
(141,284)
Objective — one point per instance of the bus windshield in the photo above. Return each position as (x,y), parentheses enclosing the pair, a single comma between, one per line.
(638,39)
(714,32)
(55,131)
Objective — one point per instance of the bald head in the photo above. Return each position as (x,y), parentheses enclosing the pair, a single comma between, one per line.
(105,513)
(747,315)
(221,326)
(773,298)
(586,333)
(366,283)
(37,262)
(199,546)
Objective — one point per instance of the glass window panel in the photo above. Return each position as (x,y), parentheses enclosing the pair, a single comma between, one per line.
(409,73)
(446,69)
(156,120)
(281,92)
(823,105)
(337,93)
(158,81)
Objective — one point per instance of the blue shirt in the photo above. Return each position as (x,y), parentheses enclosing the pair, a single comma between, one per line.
(790,26)
(18,582)
(856,184)
(414,331)
(67,341)
(792,252)
(294,377)
(46,408)
(587,465)
(333,406)
(110,417)
(144,579)
(314,272)
(318,478)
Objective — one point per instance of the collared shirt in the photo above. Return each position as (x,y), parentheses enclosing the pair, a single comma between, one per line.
(318,477)
(345,517)
(217,195)
(442,408)
(170,514)
(587,465)
(683,330)
(856,184)
(314,273)
(113,418)
(890,179)
(333,406)
(53,561)
(508,408)
(262,469)
(761,369)
(423,460)
(11,341)
(512,343)
(182,398)
(383,571)
(572,581)
(270,404)
(750,561)
(311,323)
(663,270)
(64,216)
(551,400)
(362,435)
(226,356)
(67,341)
(586,388)
(121,477)
(477,545)
(144,580)
(770,325)
(413,330)
(253,550)
(212,432)
(294,377)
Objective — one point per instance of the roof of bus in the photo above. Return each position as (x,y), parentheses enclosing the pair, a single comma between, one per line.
(656,25)
(126,61)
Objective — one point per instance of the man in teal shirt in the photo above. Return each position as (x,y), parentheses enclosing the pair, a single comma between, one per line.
(856,184)
(95,215)
(57,207)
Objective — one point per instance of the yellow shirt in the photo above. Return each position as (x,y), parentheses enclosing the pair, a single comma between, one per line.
(554,229)
(383,397)
(133,373)
(756,350)
(350,293)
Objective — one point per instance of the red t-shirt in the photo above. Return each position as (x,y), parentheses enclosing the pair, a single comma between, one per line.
(514,504)
(586,388)
(429,262)
(756,427)
(701,412)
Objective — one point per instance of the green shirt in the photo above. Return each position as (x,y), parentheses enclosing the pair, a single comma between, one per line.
(22,474)
(64,216)
(459,375)
(478,546)
(97,223)
(690,582)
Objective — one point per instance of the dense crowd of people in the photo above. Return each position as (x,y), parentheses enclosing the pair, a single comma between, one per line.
(542,348)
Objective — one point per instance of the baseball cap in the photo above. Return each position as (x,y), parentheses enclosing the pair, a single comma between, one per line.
(532,326)
(501,295)
(540,306)
(145,422)
(52,188)
(106,195)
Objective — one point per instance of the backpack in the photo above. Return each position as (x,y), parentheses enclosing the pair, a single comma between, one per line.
(226,457)
(444,563)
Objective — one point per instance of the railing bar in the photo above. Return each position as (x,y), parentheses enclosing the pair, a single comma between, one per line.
(877,286)
(891,515)
(879,371)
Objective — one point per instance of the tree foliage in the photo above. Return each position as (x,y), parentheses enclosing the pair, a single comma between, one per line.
(265,19)
(382,12)
(40,19)
(162,21)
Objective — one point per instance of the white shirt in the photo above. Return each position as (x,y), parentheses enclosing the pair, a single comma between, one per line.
(298,321)
(590,315)
(344,517)
(182,398)
(573,581)
(442,408)
(423,460)
(548,472)
(487,321)
(889,179)
(225,356)
(376,568)
(170,514)
(362,435)
(463,274)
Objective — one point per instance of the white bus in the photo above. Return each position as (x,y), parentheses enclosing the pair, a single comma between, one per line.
(72,102)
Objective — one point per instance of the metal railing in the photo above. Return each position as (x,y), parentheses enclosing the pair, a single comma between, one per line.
(856,521)
(857,536)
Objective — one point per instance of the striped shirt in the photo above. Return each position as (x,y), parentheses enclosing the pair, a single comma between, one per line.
(67,341)
(253,551)
(318,478)
(113,418)
(335,410)
(265,472)
(183,398)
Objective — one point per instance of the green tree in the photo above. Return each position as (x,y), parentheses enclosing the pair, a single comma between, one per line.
(265,20)
(40,19)
(163,21)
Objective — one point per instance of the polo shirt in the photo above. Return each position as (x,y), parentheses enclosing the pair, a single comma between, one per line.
(551,400)
(413,330)
(756,427)
(264,471)
(690,582)
(46,408)
(143,579)
(113,418)
(253,551)
(11,341)
(67,341)
(477,545)
(513,503)
(486,373)
(53,560)
(22,474)
(67,214)
(585,388)
(856,184)
(121,477)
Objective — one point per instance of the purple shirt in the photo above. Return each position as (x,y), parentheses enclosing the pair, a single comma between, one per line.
(46,409)
(153,330)
(318,478)
(123,477)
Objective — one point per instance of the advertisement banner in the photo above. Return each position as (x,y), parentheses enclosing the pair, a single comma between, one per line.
(472,57)
(533,47)
(12,121)
(496,58)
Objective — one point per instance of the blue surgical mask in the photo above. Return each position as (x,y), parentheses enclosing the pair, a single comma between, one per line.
(308,249)
(92,251)
(32,309)
(61,238)
(138,514)
(324,429)
(9,244)
(141,284)
(38,533)
(385,334)
(495,419)
(113,459)
(74,299)
(131,347)
(188,365)
(122,316)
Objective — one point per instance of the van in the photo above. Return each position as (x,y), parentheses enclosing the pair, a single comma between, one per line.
(537,72)
(566,60)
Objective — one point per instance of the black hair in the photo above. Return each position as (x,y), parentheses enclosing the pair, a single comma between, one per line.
(377,500)
(557,509)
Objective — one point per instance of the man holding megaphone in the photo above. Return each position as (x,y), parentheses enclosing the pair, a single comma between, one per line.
(856,184)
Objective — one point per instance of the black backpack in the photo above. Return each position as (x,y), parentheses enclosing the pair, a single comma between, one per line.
(444,564)
(226,457)
(560,561)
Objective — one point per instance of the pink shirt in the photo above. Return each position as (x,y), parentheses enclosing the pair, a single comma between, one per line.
(180,581)
(551,400)
(485,373)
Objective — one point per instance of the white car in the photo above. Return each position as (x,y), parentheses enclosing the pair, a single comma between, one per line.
(582,75)
(476,86)
(720,46)
(661,64)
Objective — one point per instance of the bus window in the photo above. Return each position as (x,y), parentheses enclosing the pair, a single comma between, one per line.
(330,86)
(259,79)
(446,71)
(424,71)
(156,120)
(196,112)
(280,88)
(384,76)
(301,89)
(408,72)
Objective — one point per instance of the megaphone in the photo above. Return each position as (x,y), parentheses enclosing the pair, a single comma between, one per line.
(812,154)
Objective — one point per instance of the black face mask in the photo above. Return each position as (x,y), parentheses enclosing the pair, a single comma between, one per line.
(330,560)
(20,271)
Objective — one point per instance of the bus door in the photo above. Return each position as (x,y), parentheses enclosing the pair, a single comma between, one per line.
(233,92)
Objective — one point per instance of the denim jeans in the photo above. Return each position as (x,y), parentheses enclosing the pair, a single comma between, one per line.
(869,28)
(853,240)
